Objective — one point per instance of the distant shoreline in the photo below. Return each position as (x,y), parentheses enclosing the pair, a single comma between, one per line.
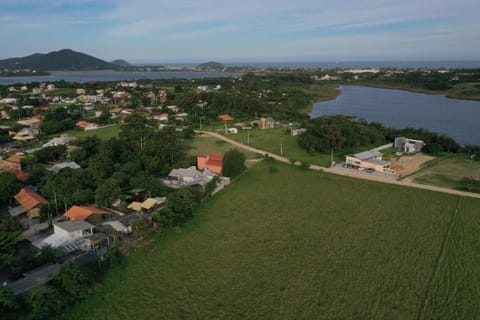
(392,86)
(338,91)
(24,74)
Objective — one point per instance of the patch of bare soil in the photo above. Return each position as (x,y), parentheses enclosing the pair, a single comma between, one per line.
(406,165)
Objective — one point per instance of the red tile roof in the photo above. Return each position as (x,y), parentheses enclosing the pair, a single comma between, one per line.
(29,199)
(22,176)
(82,124)
(15,158)
(212,162)
(225,117)
(215,157)
(82,213)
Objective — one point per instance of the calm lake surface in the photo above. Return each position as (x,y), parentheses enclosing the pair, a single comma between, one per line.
(109,75)
(459,119)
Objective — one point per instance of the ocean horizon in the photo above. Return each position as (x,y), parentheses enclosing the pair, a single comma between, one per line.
(428,64)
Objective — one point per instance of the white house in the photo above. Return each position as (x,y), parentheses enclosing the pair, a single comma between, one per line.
(297,132)
(60,141)
(182,175)
(408,145)
(59,166)
(67,234)
(189,176)
(9,100)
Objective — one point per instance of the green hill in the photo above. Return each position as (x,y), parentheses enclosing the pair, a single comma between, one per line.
(122,63)
(65,59)
(211,65)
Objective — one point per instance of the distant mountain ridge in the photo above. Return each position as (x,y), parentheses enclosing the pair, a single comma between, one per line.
(121,63)
(211,65)
(65,59)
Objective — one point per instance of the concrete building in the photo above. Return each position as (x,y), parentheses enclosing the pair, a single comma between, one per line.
(368,160)
(408,145)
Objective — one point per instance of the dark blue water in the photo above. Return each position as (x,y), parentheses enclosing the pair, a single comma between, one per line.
(459,119)
(108,75)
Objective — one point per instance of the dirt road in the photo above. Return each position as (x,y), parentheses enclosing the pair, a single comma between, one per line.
(245,147)
(349,173)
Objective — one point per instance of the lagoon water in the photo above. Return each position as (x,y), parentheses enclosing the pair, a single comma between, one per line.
(459,119)
(110,75)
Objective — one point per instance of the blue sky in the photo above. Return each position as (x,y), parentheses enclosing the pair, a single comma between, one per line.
(244,31)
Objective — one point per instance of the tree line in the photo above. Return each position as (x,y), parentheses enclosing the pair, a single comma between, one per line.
(341,132)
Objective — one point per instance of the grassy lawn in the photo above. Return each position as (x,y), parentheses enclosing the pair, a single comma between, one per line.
(68,92)
(465,91)
(448,172)
(297,244)
(270,140)
(203,145)
(103,134)
(319,91)
(453,295)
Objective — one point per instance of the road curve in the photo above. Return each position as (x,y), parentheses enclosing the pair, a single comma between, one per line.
(245,147)
(354,174)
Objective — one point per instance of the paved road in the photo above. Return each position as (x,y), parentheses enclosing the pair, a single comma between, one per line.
(349,172)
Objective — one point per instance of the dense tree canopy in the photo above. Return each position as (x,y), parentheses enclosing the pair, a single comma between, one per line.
(233,163)
(9,186)
(328,133)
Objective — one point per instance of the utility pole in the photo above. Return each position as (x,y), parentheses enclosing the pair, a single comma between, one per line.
(331,158)
(281,147)
(200,122)
(55,198)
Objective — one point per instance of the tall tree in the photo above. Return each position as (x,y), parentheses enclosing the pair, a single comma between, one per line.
(233,163)
(136,132)
(107,193)
(8,243)
(9,186)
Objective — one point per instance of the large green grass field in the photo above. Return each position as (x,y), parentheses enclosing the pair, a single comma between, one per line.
(448,172)
(203,145)
(295,244)
(103,134)
(274,140)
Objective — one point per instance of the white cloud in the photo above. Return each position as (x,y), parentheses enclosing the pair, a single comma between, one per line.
(261,28)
